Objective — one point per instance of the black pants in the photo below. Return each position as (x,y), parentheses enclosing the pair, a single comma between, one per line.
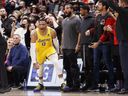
(3,73)
(17,75)
(71,68)
(116,62)
(123,50)
(87,57)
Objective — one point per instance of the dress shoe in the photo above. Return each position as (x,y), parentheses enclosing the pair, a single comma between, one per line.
(3,90)
(123,91)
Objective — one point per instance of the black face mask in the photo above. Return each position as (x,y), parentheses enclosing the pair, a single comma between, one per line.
(23,25)
(20,7)
(2,16)
(12,6)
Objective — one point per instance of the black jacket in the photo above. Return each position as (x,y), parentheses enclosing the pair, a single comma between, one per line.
(122,21)
(6,24)
(2,41)
(86,24)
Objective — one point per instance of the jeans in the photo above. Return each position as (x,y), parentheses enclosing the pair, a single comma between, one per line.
(105,51)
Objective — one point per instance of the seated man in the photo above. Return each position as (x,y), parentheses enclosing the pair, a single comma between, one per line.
(17,62)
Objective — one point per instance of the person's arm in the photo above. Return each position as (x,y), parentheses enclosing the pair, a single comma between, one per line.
(106,34)
(107,29)
(21,53)
(13,28)
(9,58)
(9,61)
(33,44)
(91,29)
(55,40)
(78,24)
(78,43)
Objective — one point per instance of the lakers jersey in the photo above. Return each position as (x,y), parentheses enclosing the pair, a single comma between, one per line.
(44,46)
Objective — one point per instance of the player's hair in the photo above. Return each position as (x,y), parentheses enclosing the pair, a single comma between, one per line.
(69,5)
(104,3)
(43,19)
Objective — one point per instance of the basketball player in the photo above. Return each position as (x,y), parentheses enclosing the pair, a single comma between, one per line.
(43,45)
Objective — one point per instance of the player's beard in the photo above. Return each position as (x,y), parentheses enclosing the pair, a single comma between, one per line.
(68,14)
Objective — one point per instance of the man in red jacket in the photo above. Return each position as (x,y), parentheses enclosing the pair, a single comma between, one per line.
(102,45)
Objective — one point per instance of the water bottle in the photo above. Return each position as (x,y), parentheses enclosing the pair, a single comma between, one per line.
(25,85)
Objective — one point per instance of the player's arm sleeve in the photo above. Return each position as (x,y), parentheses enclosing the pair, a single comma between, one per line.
(32,47)
(55,40)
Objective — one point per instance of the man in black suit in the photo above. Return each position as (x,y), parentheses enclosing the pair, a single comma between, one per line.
(3,75)
(122,36)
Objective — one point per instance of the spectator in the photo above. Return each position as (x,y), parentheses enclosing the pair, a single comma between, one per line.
(32,27)
(10,44)
(102,45)
(24,32)
(4,87)
(17,62)
(122,36)
(10,6)
(115,55)
(52,22)
(70,47)
(6,22)
(22,7)
(87,24)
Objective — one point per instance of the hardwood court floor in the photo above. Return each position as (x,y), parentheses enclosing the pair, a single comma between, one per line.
(16,92)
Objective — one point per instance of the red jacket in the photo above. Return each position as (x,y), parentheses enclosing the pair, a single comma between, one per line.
(3,3)
(115,37)
(110,21)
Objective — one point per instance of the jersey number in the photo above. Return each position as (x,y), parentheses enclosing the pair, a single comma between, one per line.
(43,43)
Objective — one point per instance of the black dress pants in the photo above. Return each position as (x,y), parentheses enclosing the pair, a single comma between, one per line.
(17,75)
(3,73)
(87,58)
(71,67)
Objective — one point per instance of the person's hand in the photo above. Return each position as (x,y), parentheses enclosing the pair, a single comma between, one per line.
(9,68)
(109,28)
(87,33)
(105,28)
(77,49)
(13,24)
(52,18)
(94,45)
(36,66)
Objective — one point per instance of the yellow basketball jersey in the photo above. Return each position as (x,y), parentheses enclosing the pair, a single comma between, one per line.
(44,46)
